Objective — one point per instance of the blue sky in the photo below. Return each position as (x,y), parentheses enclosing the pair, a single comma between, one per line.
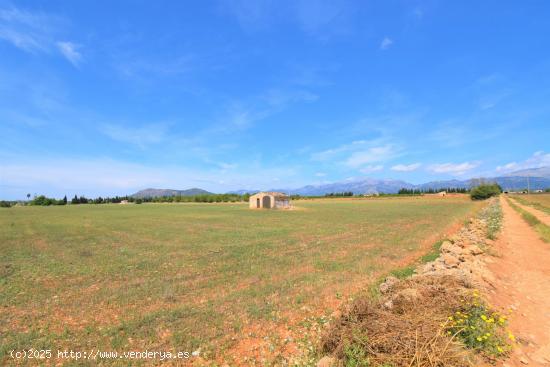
(104,98)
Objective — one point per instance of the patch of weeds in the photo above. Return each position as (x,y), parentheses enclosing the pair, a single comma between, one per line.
(6,270)
(433,254)
(481,329)
(403,273)
(355,352)
(261,311)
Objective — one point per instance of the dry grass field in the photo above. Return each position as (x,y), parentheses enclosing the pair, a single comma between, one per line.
(537,201)
(234,282)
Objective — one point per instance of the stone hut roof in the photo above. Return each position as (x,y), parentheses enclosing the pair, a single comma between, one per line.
(271,193)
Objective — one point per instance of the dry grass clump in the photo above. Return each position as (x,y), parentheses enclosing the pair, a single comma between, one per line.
(406,327)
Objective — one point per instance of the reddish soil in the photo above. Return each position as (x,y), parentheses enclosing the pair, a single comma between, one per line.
(522,284)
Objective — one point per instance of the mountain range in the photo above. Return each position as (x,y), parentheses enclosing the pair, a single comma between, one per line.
(539,178)
(536,178)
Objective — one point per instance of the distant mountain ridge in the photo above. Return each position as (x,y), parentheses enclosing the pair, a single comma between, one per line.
(536,178)
(154,193)
(532,172)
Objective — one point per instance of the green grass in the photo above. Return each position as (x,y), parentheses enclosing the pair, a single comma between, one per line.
(542,229)
(183,276)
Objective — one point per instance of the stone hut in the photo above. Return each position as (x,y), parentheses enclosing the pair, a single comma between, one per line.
(269,200)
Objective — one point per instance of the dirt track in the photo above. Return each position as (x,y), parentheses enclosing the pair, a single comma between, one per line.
(522,283)
(542,216)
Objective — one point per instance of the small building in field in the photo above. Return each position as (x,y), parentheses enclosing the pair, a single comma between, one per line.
(269,200)
(442,193)
(124,201)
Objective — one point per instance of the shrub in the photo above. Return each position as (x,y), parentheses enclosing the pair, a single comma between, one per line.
(42,200)
(5,204)
(139,201)
(485,191)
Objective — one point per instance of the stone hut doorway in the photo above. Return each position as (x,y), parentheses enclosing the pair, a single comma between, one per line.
(266,202)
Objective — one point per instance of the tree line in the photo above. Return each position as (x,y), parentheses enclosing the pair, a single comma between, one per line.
(404,191)
(339,194)
(42,200)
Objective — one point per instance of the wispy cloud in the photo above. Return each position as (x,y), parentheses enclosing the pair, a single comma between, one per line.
(332,153)
(365,156)
(386,43)
(24,30)
(406,167)
(371,168)
(130,67)
(371,155)
(319,19)
(491,90)
(140,136)
(455,169)
(282,98)
(35,32)
(243,114)
(537,160)
(69,50)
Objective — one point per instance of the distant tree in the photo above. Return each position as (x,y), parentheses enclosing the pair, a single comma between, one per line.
(75,200)
(65,200)
(485,191)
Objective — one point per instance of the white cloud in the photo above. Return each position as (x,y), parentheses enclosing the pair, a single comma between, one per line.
(69,50)
(512,166)
(320,174)
(457,169)
(537,160)
(371,168)
(386,43)
(406,167)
